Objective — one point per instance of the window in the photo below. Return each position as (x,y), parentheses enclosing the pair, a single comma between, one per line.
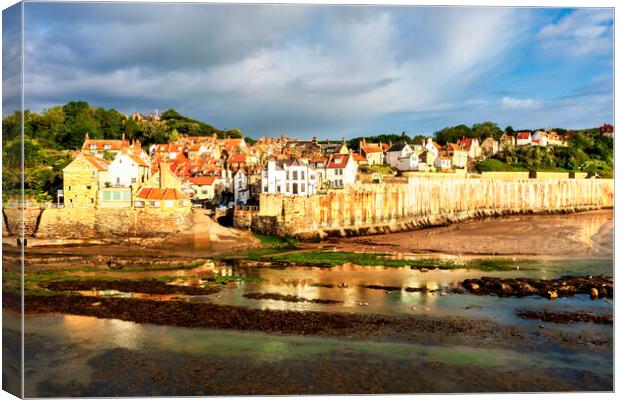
(288,187)
(107,147)
(278,189)
(295,188)
(93,147)
(182,202)
(303,175)
(118,181)
(133,180)
(88,187)
(69,188)
(139,204)
(294,175)
(168,203)
(303,187)
(154,203)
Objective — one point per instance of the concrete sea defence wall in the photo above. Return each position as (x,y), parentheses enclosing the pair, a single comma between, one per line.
(391,207)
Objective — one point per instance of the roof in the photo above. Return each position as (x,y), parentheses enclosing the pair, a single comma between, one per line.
(371,149)
(318,159)
(237,158)
(203,180)
(523,135)
(397,147)
(466,142)
(99,163)
(138,160)
(160,194)
(338,161)
(359,157)
(101,143)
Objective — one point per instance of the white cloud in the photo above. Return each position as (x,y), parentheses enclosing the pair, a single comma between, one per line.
(513,103)
(583,32)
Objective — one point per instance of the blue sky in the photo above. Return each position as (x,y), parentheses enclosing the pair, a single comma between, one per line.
(327,71)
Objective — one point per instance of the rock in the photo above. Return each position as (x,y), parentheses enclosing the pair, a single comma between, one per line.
(594,293)
(96,304)
(423,269)
(442,293)
(551,294)
(505,288)
(528,289)
(474,286)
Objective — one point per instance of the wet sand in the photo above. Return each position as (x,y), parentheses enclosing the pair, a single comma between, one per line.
(585,234)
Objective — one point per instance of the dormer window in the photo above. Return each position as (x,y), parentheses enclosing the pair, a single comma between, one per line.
(107,147)
(93,147)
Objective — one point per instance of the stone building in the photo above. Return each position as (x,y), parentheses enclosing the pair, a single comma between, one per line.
(81,180)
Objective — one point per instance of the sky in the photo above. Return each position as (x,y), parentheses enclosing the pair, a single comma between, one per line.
(325,71)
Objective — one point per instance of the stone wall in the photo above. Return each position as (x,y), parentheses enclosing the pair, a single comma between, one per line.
(374,208)
(13,220)
(112,223)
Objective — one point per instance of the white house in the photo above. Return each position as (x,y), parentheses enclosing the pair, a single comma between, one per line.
(539,138)
(524,138)
(292,177)
(432,147)
(240,187)
(443,163)
(397,151)
(126,170)
(341,170)
(410,162)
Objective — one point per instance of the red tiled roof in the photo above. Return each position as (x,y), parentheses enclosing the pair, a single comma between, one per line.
(160,194)
(99,163)
(338,161)
(371,149)
(237,158)
(359,157)
(203,180)
(318,159)
(523,135)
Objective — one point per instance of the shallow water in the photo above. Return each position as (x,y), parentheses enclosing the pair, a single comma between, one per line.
(347,280)
(59,348)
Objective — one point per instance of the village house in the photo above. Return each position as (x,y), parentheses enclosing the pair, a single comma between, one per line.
(524,138)
(443,163)
(341,170)
(458,157)
(203,187)
(372,152)
(489,147)
(241,189)
(396,152)
(539,138)
(506,141)
(472,146)
(126,170)
(319,164)
(290,177)
(334,148)
(109,148)
(162,190)
(81,180)
(411,162)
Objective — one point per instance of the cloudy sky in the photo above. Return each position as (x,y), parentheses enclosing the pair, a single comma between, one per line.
(325,70)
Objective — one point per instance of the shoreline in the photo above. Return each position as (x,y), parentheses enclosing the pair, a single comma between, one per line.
(585,234)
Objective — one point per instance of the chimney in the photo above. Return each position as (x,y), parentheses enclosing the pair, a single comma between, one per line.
(86,137)
(163,174)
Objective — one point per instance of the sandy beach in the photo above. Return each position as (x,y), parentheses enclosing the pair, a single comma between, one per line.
(558,236)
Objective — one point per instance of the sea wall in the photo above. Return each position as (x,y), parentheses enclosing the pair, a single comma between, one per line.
(391,207)
(102,223)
